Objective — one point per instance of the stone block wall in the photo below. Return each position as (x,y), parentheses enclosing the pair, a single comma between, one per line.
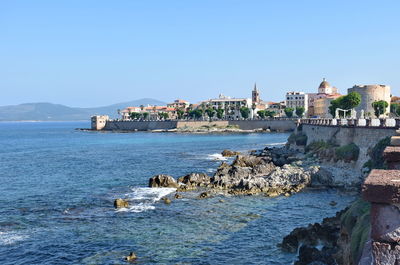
(364,137)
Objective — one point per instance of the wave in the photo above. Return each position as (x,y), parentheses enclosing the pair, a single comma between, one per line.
(143,199)
(273,144)
(8,238)
(217,156)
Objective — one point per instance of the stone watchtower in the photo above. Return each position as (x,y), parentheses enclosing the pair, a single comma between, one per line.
(255,95)
(370,94)
(99,122)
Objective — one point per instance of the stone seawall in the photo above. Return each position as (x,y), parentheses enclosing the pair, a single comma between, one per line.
(197,124)
(364,138)
(139,125)
(273,125)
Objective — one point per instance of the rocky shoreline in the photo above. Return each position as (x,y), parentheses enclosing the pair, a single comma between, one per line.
(274,172)
(270,172)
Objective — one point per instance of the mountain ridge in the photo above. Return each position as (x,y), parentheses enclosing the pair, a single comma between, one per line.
(46,111)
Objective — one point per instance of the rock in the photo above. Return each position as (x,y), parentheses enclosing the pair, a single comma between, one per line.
(204,195)
(178,196)
(333,203)
(221,201)
(229,153)
(121,203)
(195,180)
(163,181)
(322,178)
(166,200)
(131,257)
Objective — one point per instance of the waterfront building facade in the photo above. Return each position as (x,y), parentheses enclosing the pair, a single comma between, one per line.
(325,90)
(297,99)
(231,106)
(370,94)
(321,106)
(179,104)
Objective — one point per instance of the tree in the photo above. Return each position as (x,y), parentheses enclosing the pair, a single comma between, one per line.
(289,112)
(134,115)
(163,115)
(220,113)
(351,100)
(145,115)
(210,112)
(261,113)
(300,111)
(244,112)
(395,108)
(269,113)
(180,113)
(196,114)
(380,107)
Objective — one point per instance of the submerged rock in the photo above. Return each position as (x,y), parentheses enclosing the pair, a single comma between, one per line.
(162,181)
(131,257)
(166,200)
(178,196)
(121,203)
(204,195)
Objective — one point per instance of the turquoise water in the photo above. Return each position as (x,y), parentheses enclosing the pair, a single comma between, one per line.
(58,186)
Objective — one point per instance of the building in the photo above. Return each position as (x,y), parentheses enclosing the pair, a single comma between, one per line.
(231,106)
(149,112)
(255,95)
(179,104)
(98,122)
(297,99)
(370,94)
(321,106)
(125,113)
(324,90)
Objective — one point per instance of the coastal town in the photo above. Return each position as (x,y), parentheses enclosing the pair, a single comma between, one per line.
(360,102)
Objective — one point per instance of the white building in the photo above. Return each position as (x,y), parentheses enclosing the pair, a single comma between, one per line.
(297,99)
(231,106)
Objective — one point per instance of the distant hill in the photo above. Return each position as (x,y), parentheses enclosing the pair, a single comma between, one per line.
(57,112)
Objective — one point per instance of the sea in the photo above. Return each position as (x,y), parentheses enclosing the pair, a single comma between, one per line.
(58,185)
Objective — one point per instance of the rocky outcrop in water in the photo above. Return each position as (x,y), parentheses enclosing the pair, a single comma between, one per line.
(229,153)
(193,181)
(131,257)
(121,203)
(163,181)
(272,171)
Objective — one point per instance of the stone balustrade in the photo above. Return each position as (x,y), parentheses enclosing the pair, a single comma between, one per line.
(379,123)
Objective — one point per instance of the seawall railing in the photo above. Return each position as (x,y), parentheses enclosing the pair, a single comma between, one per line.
(370,123)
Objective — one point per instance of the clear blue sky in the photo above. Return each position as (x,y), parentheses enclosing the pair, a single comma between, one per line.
(93,53)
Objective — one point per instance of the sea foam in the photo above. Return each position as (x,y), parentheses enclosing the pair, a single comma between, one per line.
(217,156)
(143,199)
(8,238)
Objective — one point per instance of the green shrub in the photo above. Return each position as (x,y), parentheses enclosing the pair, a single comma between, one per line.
(376,154)
(348,152)
(318,145)
(356,221)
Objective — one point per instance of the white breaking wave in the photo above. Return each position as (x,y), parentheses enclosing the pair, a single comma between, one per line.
(217,157)
(273,144)
(143,199)
(8,238)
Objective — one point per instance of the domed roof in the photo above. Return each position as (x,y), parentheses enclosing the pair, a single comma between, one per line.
(324,84)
